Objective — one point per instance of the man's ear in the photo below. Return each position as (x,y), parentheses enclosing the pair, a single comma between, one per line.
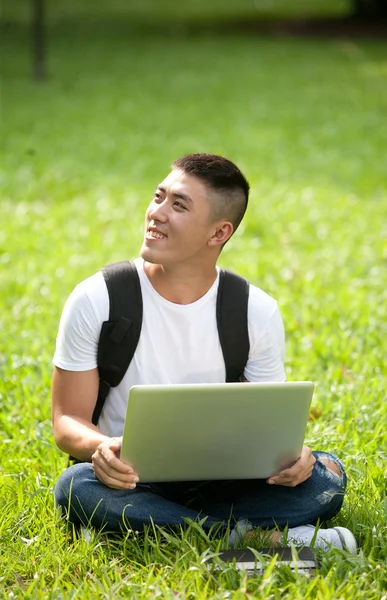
(223,231)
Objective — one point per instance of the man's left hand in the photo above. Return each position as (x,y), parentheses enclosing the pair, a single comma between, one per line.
(297,473)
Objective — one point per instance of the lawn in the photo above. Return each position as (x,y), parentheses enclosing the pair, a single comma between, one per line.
(81,156)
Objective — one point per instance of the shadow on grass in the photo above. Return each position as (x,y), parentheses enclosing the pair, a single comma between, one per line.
(111,26)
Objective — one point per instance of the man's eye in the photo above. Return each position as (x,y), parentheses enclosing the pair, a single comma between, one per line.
(179,205)
(157,197)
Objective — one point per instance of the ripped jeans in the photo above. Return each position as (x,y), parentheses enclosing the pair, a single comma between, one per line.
(85,500)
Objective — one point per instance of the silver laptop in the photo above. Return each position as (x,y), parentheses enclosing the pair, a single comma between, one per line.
(215,431)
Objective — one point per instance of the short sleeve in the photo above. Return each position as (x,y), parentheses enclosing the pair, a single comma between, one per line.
(267,340)
(78,335)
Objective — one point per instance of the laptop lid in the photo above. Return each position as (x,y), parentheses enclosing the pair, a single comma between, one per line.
(215,431)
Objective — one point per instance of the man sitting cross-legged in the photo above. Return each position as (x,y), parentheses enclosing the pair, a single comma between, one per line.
(193,213)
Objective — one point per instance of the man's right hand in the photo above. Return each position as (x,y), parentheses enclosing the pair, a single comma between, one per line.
(109,469)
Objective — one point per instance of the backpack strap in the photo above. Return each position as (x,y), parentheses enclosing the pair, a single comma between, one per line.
(231,317)
(120,334)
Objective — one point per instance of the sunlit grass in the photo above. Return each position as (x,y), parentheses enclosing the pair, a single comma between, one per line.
(81,157)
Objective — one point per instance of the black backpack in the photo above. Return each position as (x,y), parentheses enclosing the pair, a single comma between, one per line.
(120,334)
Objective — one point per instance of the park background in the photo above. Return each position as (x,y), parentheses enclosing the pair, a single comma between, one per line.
(295,94)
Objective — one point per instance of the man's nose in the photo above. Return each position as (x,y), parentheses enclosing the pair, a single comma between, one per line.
(158,211)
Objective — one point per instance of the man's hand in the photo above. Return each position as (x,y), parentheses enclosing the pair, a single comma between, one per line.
(109,469)
(297,473)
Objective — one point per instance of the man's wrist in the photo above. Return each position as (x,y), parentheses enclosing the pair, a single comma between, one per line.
(78,438)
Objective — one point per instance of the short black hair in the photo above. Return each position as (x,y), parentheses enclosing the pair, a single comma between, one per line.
(222,176)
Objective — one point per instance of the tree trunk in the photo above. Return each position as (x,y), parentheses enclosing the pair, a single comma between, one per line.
(38,40)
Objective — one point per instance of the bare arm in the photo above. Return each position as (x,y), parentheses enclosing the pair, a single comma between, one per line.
(74,394)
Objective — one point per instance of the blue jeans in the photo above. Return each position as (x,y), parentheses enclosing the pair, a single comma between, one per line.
(85,500)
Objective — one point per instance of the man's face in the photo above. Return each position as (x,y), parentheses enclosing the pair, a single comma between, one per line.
(177,221)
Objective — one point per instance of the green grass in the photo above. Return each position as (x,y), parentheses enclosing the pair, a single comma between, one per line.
(81,156)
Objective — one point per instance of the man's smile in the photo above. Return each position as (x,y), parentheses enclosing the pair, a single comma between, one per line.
(152,233)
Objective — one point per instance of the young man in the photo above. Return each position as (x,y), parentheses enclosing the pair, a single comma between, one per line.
(194,212)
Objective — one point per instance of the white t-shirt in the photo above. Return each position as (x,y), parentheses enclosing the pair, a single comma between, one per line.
(179,343)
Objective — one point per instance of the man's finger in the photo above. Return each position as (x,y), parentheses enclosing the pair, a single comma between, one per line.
(285,482)
(113,482)
(289,473)
(112,460)
(108,473)
(288,477)
(115,444)
(103,470)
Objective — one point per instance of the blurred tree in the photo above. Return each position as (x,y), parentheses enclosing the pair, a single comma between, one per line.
(370,8)
(38,39)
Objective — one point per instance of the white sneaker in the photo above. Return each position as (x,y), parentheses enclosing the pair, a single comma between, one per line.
(338,537)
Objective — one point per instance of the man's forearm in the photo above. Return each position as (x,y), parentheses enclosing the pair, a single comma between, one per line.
(77,437)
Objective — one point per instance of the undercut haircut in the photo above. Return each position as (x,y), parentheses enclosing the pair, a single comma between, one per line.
(222,177)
